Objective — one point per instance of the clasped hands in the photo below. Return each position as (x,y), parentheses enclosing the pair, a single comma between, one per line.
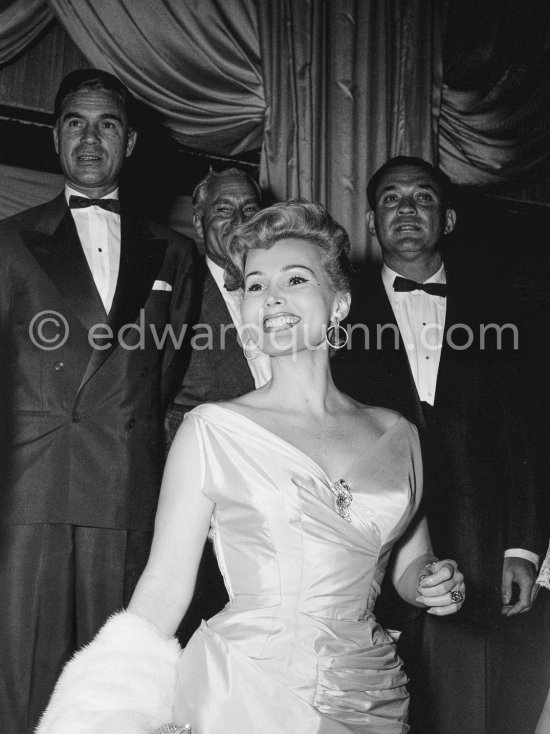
(441,588)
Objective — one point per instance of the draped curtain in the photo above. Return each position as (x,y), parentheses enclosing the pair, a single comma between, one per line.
(338,80)
(31,81)
(20,22)
(195,61)
(323,86)
(328,89)
(495,112)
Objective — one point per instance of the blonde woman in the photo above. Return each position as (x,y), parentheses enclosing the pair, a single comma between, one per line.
(305,493)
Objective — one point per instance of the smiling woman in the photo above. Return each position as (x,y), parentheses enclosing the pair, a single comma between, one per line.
(293,219)
(292,262)
(305,493)
(287,297)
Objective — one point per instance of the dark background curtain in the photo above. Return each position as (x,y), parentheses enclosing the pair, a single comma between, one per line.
(337,80)
(494,130)
(326,91)
(324,86)
(20,22)
(196,63)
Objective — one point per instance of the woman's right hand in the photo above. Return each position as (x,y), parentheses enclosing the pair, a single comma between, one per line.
(441,588)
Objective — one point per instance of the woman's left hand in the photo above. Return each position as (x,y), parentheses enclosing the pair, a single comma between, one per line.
(441,588)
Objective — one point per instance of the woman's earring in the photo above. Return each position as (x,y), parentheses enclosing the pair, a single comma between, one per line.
(336,336)
(251,350)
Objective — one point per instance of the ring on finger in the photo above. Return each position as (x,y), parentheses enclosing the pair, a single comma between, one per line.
(456,596)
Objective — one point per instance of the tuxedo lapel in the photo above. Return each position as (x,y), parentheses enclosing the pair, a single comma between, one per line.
(235,364)
(56,248)
(141,257)
(458,314)
(216,311)
(383,334)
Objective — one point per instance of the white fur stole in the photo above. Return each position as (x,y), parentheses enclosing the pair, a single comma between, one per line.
(123,682)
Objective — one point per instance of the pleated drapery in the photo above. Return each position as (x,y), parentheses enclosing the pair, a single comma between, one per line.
(323,86)
(481,145)
(328,90)
(495,111)
(196,62)
(338,80)
(20,22)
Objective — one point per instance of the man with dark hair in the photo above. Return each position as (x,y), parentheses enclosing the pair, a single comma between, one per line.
(95,79)
(439,178)
(219,368)
(88,293)
(419,346)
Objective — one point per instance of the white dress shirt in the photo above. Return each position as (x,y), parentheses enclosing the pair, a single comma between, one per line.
(421,321)
(260,367)
(99,233)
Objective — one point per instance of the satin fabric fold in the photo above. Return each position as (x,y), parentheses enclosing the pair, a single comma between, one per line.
(297,648)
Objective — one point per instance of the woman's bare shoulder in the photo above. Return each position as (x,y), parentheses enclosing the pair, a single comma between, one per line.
(253,400)
(384,418)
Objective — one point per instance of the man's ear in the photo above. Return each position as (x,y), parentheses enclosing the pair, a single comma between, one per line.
(371,224)
(197,224)
(56,138)
(342,303)
(130,142)
(450,221)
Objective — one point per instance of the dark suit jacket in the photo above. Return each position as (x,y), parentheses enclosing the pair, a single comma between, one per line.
(478,489)
(220,372)
(84,425)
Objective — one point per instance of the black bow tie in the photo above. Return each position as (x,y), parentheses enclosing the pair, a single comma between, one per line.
(404,285)
(79,202)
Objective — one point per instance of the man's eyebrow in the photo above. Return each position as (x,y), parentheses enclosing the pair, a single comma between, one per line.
(105,116)
(429,185)
(222,200)
(421,185)
(226,200)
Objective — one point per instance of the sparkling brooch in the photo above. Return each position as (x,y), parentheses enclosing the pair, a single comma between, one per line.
(343,496)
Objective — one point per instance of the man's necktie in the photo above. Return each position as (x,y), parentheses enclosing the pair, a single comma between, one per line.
(79,202)
(404,285)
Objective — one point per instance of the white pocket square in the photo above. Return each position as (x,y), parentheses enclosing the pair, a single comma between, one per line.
(161,285)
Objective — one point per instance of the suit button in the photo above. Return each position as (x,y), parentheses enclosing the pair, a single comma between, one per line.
(145,371)
(75,417)
(131,423)
(59,366)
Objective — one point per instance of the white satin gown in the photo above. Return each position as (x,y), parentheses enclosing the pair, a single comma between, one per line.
(297,649)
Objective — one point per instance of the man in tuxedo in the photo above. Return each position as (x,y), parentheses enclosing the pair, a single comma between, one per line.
(219,369)
(88,290)
(419,346)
